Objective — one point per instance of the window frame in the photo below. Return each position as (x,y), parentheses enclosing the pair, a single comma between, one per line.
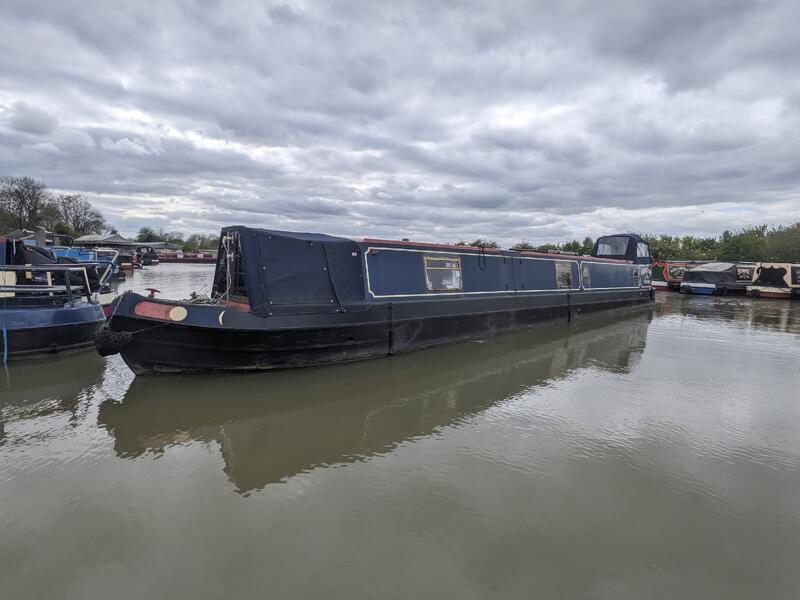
(429,286)
(559,267)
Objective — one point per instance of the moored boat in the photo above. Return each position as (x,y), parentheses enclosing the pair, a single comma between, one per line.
(282,299)
(45,306)
(718,278)
(668,274)
(776,280)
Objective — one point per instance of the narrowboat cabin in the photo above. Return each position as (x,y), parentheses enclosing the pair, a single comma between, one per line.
(283,299)
(718,278)
(46,305)
(668,274)
(776,280)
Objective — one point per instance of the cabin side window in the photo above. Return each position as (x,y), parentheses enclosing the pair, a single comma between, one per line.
(563,274)
(443,274)
(586,275)
(642,250)
(677,271)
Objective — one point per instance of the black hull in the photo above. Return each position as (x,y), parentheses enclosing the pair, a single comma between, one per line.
(167,347)
(44,341)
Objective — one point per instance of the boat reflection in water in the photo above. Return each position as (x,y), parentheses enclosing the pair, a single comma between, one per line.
(32,390)
(270,427)
(757,314)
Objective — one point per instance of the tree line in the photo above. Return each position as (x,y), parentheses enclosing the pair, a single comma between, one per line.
(26,203)
(756,244)
(192,243)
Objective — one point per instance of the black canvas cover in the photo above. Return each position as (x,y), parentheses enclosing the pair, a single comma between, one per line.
(712,273)
(294,273)
(622,246)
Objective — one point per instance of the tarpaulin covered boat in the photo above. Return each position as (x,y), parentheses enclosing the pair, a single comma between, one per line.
(718,278)
(283,299)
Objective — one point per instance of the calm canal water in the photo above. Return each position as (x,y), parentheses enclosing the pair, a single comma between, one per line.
(645,455)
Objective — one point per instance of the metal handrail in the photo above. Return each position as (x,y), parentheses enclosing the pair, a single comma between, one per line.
(54,267)
(87,290)
(37,288)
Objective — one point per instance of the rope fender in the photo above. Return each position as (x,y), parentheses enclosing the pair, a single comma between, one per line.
(110,342)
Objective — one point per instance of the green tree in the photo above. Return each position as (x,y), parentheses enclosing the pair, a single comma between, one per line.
(147,234)
(748,244)
(783,244)
(199,241)
(664,247)
(482,243)
(523,245)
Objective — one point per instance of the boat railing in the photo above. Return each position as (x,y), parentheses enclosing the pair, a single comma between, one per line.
(109,267)
(71,291)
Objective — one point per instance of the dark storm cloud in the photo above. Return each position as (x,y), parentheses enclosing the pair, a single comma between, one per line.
(438,120)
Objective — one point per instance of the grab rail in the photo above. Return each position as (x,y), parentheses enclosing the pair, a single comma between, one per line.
(49,287)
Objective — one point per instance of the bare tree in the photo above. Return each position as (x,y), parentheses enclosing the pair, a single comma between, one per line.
(79,214)
(22,200)
(50,215)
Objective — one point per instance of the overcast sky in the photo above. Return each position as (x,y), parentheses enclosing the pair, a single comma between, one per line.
(434,120)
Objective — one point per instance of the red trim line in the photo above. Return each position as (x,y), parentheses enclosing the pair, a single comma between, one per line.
(774,294)
(237,305)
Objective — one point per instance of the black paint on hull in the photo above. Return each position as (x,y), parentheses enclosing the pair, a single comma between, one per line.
(43,341)
(167,347)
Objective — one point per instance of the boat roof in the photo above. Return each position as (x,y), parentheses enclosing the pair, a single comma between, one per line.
(322,237)
(715,266)
(463,248)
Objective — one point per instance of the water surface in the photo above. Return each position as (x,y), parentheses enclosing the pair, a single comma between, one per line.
(653,454)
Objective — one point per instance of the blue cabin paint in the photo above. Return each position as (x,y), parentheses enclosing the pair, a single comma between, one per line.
(284,299)
(38,316)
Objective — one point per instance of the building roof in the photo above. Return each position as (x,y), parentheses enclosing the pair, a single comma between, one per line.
(162,245)
(106,239)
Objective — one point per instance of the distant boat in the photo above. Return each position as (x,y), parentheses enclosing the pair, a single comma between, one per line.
(668,274)
(718,278)
(46,305)
(776,280)
(283,299)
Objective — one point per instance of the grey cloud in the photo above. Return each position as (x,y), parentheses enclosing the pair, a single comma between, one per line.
(437,120)
(30,119)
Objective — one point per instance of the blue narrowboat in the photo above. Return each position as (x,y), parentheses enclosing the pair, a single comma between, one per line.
(282,299)
(45,306)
